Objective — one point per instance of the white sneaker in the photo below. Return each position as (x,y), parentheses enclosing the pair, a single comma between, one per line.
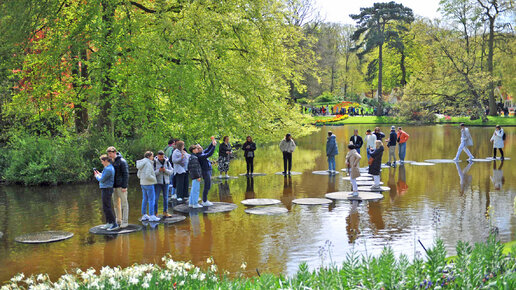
(190,205)
(179,199)
(145,217)
(174,196)
(196,206)
(227,176)
(207,203)
(106,226)
(154,218)
(355,194)
(220,176)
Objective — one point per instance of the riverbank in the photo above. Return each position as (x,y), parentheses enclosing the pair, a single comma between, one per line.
(483,265)
(390,120)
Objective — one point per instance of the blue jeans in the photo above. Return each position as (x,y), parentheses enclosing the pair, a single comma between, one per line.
(331,162)
(402,147)
(148,199)
(158,188)
(368,154)
(194,192)
(206,176)
(358,150)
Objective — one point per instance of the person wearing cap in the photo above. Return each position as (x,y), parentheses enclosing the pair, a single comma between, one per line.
(465,141)
(287,146)
(402,138)
(121,182)
(370,143)
(331,150)
(163,170)
(356,140)
(391,144)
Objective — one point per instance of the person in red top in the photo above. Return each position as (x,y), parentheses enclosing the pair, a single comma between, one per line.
(402,144)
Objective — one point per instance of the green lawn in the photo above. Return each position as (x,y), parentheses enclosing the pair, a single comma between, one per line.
(510,121)
(364,120)
(492,121)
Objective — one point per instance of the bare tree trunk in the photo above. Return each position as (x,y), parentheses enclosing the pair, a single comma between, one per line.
(379,110)
(104,120)
(492,101)
(403,81)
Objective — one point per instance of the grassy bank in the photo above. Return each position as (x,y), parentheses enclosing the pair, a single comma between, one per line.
(363,120)
(493,121)
(483,265)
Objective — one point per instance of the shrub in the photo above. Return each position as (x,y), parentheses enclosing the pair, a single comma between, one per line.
(302,101)
(326,97)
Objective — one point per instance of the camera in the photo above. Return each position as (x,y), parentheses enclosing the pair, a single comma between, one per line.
(94,169)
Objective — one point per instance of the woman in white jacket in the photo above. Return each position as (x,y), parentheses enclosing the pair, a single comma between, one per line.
(147,178)
(497,140)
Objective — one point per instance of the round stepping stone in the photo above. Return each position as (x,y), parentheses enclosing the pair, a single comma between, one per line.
(422,163)
(215,208)
(440,161)
(253,175)
(346,195)
(384,166)
(267,210)
(405,161)
(129,229)
(360,178)
(291,173)
(260,201)
(311,201)
(498,158)
(325,172)
(367,183)
(224,177)
(482,160)
(363,171)
(43,237)
(175,218)
(368,188)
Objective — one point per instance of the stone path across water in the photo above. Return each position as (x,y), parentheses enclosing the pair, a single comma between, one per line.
(360,178)
(131,228)
(441,161)
(260,201)
(268,210)
(291,173)
(345,195)
(325,172)
(43,237)
(422,163)
(217,207)
(367,182)
(311,201)
(368,188)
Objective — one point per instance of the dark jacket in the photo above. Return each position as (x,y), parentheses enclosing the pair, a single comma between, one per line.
(252,147)
(374,168)
(359,141)
(203,157)
(121,171)
(392,139)
(379,136)
(223,148)
(331,146)
(194,167)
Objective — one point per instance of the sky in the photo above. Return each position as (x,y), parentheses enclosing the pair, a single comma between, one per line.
(339,10)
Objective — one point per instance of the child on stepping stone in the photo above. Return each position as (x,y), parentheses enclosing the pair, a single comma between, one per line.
(194,169)
(353,165)
(375,166)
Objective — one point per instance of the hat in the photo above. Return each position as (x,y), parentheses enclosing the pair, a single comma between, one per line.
(393,128)
(160,152)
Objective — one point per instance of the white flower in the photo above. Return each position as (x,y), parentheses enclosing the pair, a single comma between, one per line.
(213,268)
(133,281)
(18,278)
(209,260)
(202,276)
(181,283)
(145,285)
(243,266)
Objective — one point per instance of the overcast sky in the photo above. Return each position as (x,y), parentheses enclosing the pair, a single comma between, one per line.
(339,10)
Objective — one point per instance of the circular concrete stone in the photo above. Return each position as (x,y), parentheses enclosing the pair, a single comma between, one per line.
(260,201)
(346,195)
(363,171)
(385,166)
(175,218)
(291,173)
(498,158)
(267,210)
(312,201)
(43,237)
(223,177)
(481,160)
(129,229)
(360,178)
(215,208)
(367,183)
(422,163)
(398,162)
(368,188)
(325,172)
(440,161)
(253,175)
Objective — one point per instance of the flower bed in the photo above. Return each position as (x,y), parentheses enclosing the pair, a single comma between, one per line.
(334,119)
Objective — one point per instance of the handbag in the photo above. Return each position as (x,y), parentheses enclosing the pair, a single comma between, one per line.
(370,161)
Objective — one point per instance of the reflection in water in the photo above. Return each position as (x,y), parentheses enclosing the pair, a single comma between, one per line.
(331,183)
(402,186)
(391,182)
(195,223)
(497,177)
(249,190)
(352,222)
(375,216)
(224,192)
(465,178)
(288,194)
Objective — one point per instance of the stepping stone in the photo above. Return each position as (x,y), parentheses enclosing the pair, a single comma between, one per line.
(267,210)
(253,175)
(43,237)
(422,163)
(312,201)
(175,218)
(368,188)
(384,166)
(325,172)
(345,195)
(367,183)
(215,208)
(405,162)
(260,201)
(440,161)
(498,158)
(129,229)
(360,178)
(482,160)
(363,171)
(224,177)
(291,173)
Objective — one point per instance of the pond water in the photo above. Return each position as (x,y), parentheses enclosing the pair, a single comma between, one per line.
(424,202)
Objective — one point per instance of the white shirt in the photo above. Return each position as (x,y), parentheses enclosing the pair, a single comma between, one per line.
(371,141)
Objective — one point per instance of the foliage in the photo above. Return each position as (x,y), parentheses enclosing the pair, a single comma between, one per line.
(302,101)
(334,119)
(326,97)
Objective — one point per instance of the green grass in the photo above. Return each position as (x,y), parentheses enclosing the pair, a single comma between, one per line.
(492,121)
(365,120)
(502,121)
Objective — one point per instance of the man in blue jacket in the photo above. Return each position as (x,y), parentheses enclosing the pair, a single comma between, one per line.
(203,156)
(106,180)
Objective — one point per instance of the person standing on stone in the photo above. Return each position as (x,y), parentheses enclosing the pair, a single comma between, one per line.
(391,144)
(353,165)
(180,160)
(331,150)
(376,164)
(168,153)
(370,143)
(195,172)
(287,146)
(224,157)
(163,170)
(402,138)
(498,141)
(465,141)
(203,156)
(147,178)
(379,134)
(106,180)
(356,140)
(120,186)
(249,148)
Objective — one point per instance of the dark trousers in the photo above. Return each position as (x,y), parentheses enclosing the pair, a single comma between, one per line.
(106,205)
(287,161)
(182,185)
(206,176)
(250,164)
(494,152)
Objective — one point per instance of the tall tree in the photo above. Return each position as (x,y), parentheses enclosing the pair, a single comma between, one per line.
(373,30)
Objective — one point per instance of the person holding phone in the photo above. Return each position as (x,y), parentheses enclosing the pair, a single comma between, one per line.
(106,180)
(224,157)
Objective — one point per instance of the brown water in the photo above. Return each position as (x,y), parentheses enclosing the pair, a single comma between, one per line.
(425,202)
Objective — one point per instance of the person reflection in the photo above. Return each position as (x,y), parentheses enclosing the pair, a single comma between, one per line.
(465,178)
(224,192)
(195,223)
(331,183)
(374,209)
(201,246)
(288,194)
(497,177)
(150,243)
(392,183)
(352,222)
(402,186)
(249,191)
